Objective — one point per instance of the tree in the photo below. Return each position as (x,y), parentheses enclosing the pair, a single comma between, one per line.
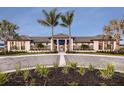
(51,20)
(67,20)
(115,30)
(7,30)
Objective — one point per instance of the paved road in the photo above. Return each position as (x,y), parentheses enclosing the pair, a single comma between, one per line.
(9,63)
(98,61)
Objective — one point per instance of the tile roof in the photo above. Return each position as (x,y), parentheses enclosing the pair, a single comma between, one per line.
(61,35)
(76,38)
(40,39)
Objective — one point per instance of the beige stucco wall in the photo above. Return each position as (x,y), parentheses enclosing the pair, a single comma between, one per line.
(96,45)
(18,44)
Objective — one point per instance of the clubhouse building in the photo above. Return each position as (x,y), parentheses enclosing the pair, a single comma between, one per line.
(60,43)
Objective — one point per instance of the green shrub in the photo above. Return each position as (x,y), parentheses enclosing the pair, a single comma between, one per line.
(91,67)
(38,68)
(42,71)
(73,65)
(18,69)
(55,65)
(3,78)
(108,72)
(26,74)
(72,83)
(81,71)
(65,70)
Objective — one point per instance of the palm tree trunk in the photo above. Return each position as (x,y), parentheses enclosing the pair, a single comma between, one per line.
(69,38)
(52,39)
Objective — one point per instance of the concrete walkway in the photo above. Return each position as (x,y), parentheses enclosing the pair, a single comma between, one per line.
(62,59)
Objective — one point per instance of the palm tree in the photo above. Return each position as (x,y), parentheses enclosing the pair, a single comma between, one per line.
(67,20)
(51,20)
(107,34)
(7,29)
(115,29)
(115,26)
(12,29)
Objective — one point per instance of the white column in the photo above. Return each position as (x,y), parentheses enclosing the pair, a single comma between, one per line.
(19,45)
(8,46)
(51,44)
(65,45)
(71,43)
(114,45)
(27,46)
(103,48)
(58,45)
(95,45)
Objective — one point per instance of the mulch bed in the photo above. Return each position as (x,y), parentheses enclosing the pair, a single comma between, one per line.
(57,78)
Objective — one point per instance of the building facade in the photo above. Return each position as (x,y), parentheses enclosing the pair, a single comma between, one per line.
(61,43)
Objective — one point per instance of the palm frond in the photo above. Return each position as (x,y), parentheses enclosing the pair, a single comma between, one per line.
(64,19)
(57,16)
(45,13)
(56,23)
(64,25)
(43,22)
(68,18)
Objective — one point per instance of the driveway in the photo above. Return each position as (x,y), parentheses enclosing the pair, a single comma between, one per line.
(98,61)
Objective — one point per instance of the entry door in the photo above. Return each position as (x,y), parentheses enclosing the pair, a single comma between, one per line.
(61,45)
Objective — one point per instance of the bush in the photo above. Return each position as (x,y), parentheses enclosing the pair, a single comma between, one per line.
(81,71)
(91,68)
(65,70)
(55,65)
(26,74)
(38,67)
(18,69)
(42,71)
(72,83)
(13,52)
(73,65)
(3,78)
(121,51)
(108,72)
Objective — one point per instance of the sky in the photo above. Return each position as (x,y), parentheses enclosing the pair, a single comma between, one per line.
(87,21)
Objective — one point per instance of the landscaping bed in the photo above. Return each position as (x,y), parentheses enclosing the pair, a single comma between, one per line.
(11,53)
(64,76)
(100,53)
